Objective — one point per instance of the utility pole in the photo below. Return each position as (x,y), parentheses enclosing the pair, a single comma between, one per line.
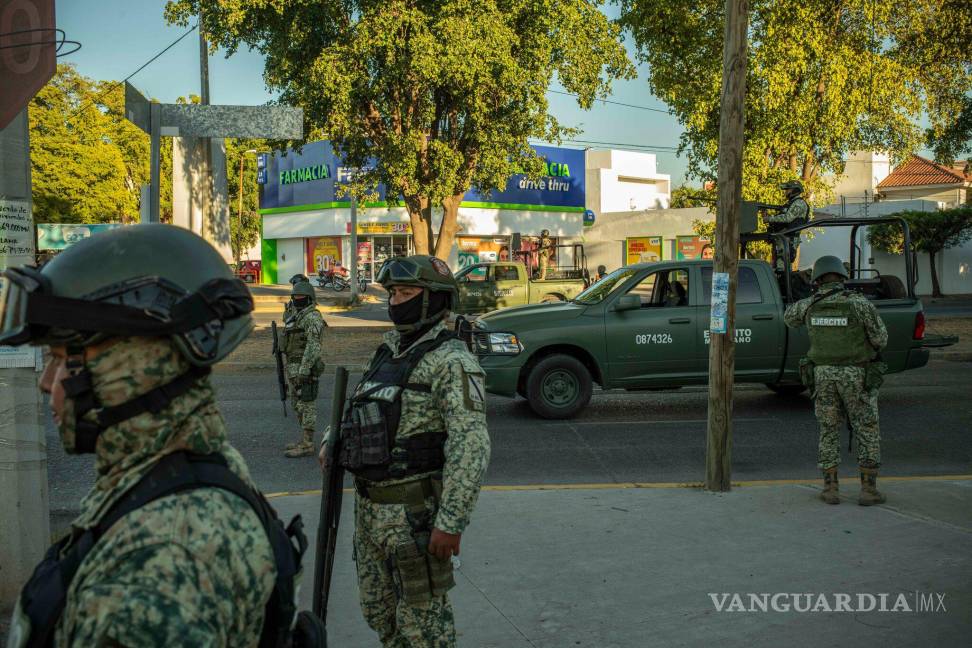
(24,508)
(722,348)
(354,250)
(204,142)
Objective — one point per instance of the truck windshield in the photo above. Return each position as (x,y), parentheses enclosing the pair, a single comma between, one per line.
(598,291)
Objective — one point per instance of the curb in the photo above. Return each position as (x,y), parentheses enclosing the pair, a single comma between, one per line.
(329,367)
(952,356)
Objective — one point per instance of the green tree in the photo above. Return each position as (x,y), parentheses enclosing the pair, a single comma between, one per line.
(824,78)
(244,217)
(931,232)
(88,162)
(444,94)
(685,196)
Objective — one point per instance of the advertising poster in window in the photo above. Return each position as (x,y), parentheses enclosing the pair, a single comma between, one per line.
(476,249)
(323,253)
(642,249)
(691,247)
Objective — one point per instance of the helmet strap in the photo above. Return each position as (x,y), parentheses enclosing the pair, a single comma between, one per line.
(79,388)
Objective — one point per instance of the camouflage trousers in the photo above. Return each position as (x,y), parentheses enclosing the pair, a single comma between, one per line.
(378,531)
(544,259)
(305,412)
(840,396)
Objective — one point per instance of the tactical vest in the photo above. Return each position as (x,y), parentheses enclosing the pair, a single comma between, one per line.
(370,448)
(295,337)
(44,597)
(837,335)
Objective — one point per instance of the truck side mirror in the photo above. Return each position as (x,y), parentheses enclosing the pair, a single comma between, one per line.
(627,302)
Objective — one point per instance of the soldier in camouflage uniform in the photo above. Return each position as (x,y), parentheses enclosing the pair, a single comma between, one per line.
(544,252)
(414,436)
(796,211)
(194,568)
(843,371)
(303,333)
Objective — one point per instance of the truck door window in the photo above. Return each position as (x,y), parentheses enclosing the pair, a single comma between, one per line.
(747,288)
(473,273)
(665,288)
(505,273)
(677,288)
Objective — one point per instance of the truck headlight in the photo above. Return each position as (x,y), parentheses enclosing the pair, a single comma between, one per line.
(504,343)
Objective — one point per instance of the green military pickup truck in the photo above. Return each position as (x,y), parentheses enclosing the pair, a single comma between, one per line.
(488,286)
(646,326)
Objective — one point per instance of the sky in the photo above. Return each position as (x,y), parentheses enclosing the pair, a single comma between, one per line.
(118,36)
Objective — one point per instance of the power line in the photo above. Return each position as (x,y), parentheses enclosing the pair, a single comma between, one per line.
(140,68)
(616,103)
(655,147)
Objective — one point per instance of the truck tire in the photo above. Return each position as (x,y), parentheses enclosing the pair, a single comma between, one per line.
(552,298)
(786,390)
(558,387)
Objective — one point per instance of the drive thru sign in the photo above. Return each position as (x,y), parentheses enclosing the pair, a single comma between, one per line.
(27,53)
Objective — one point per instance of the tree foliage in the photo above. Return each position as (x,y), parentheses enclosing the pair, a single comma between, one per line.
(244,218)
(685,196)
(87,161)
(824,78)
(931,232)
(444,94)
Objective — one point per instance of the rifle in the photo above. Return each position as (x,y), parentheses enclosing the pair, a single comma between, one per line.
(278,356)
(331,494)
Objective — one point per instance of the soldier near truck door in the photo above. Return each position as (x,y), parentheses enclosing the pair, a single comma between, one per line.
(844,371)
(414,436)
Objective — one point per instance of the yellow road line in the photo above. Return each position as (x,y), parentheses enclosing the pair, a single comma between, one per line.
(653,485)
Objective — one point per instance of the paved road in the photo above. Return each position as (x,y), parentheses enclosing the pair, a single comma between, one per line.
(954,307)
(621,437)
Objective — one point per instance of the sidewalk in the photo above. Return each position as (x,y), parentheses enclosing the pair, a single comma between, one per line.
(633,567)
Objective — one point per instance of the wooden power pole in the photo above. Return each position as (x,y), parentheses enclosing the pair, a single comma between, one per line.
(722,348)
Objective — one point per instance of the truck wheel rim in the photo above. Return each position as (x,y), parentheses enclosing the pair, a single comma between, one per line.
(560,388)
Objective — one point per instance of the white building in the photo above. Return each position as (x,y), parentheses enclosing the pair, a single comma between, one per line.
(620,181)
(870,188)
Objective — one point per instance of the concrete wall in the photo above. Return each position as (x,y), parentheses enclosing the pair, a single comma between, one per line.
(604,241)
(199,196)
(947,197)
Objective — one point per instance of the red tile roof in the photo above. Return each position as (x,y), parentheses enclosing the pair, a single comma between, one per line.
(917,171)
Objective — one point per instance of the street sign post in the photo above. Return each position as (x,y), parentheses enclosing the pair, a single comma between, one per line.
(28,55)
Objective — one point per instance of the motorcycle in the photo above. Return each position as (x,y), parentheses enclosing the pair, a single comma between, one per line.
(339,282)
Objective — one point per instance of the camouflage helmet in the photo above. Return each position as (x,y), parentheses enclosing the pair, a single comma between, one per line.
(420,270)
(544,232)
(305,289)
(795,185)
(297,278)
(135,281)
(828,265)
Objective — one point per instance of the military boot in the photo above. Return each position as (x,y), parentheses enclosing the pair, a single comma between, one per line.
(829,493)
(304,448)
(870,495)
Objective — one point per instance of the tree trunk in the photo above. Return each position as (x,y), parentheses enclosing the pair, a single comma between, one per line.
(936,288)
(449,227)
(420,216)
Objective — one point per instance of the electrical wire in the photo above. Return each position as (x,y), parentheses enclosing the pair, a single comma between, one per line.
(140,68)
(616,103)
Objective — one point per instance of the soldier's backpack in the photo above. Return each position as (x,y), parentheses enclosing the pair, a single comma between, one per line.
(43,598)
